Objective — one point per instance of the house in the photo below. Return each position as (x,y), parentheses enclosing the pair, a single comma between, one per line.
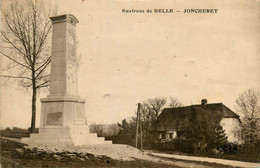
(172,120)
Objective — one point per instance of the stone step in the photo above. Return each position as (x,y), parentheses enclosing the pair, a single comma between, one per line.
(77,130)
(50,136)
(65,139)
(60,135)
(46,139)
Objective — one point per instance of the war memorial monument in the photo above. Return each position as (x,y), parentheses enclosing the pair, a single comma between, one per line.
(62,120)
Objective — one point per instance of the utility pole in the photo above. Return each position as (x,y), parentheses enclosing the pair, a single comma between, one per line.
(141,131)
(137,126)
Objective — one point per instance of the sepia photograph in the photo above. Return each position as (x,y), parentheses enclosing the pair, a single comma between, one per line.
(129,83)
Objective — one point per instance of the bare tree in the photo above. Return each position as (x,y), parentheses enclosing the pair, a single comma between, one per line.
(175,102)
(146,118)
(96,128)
(24,34)
(155,106)
(153,109)
(114,129)
(248,105)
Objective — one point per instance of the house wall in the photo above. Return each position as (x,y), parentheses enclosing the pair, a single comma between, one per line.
(232,129)
(167,135)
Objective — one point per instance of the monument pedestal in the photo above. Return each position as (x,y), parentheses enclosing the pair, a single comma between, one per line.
(63,121)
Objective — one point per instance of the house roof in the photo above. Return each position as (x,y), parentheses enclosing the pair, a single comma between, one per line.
(180,115)
(220,107)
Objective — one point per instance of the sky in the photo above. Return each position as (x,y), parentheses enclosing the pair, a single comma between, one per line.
(127,58)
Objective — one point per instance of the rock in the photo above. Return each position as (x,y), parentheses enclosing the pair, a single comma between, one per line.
(34,149)
(57,157)
(72,156)
(82,159)
(19,151)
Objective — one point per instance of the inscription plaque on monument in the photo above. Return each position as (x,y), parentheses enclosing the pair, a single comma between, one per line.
(54,118)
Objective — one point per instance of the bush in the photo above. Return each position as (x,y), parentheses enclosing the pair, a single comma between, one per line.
(15,132)
(177,145)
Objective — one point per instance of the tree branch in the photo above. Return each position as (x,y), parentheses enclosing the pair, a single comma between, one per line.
(45,62)
(14,60)
(8,76)
(44,84)
(43,66)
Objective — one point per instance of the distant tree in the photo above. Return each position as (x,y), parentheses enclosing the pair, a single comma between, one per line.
(96,128)
(175,102)
(8,129)
(203,132)
(220,136)
(15,132)
(24,33)
(248,105)
(114,128)
(147,120)
(150,111)
(155,107)
(126,133)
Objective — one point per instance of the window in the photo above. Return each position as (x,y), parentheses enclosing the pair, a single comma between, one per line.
(170,135)
(163,136)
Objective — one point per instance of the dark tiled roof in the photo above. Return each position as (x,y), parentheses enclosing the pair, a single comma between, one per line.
(180,115)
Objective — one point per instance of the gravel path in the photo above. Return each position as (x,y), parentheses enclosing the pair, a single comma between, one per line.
(120,152)
(210,160)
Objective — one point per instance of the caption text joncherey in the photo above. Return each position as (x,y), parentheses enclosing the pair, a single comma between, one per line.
(169,11)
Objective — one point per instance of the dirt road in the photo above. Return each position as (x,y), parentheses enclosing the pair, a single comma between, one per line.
(209,160)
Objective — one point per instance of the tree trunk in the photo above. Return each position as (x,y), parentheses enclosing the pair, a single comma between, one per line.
(32,129)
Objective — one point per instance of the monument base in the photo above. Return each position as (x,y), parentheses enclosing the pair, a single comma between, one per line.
(62,136)
(63,123)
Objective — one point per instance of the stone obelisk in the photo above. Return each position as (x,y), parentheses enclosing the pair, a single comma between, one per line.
(63,121)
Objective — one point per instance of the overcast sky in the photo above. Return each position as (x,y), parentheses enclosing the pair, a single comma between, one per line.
(129,57)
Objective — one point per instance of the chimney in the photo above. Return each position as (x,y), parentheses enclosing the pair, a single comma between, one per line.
(204,101)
